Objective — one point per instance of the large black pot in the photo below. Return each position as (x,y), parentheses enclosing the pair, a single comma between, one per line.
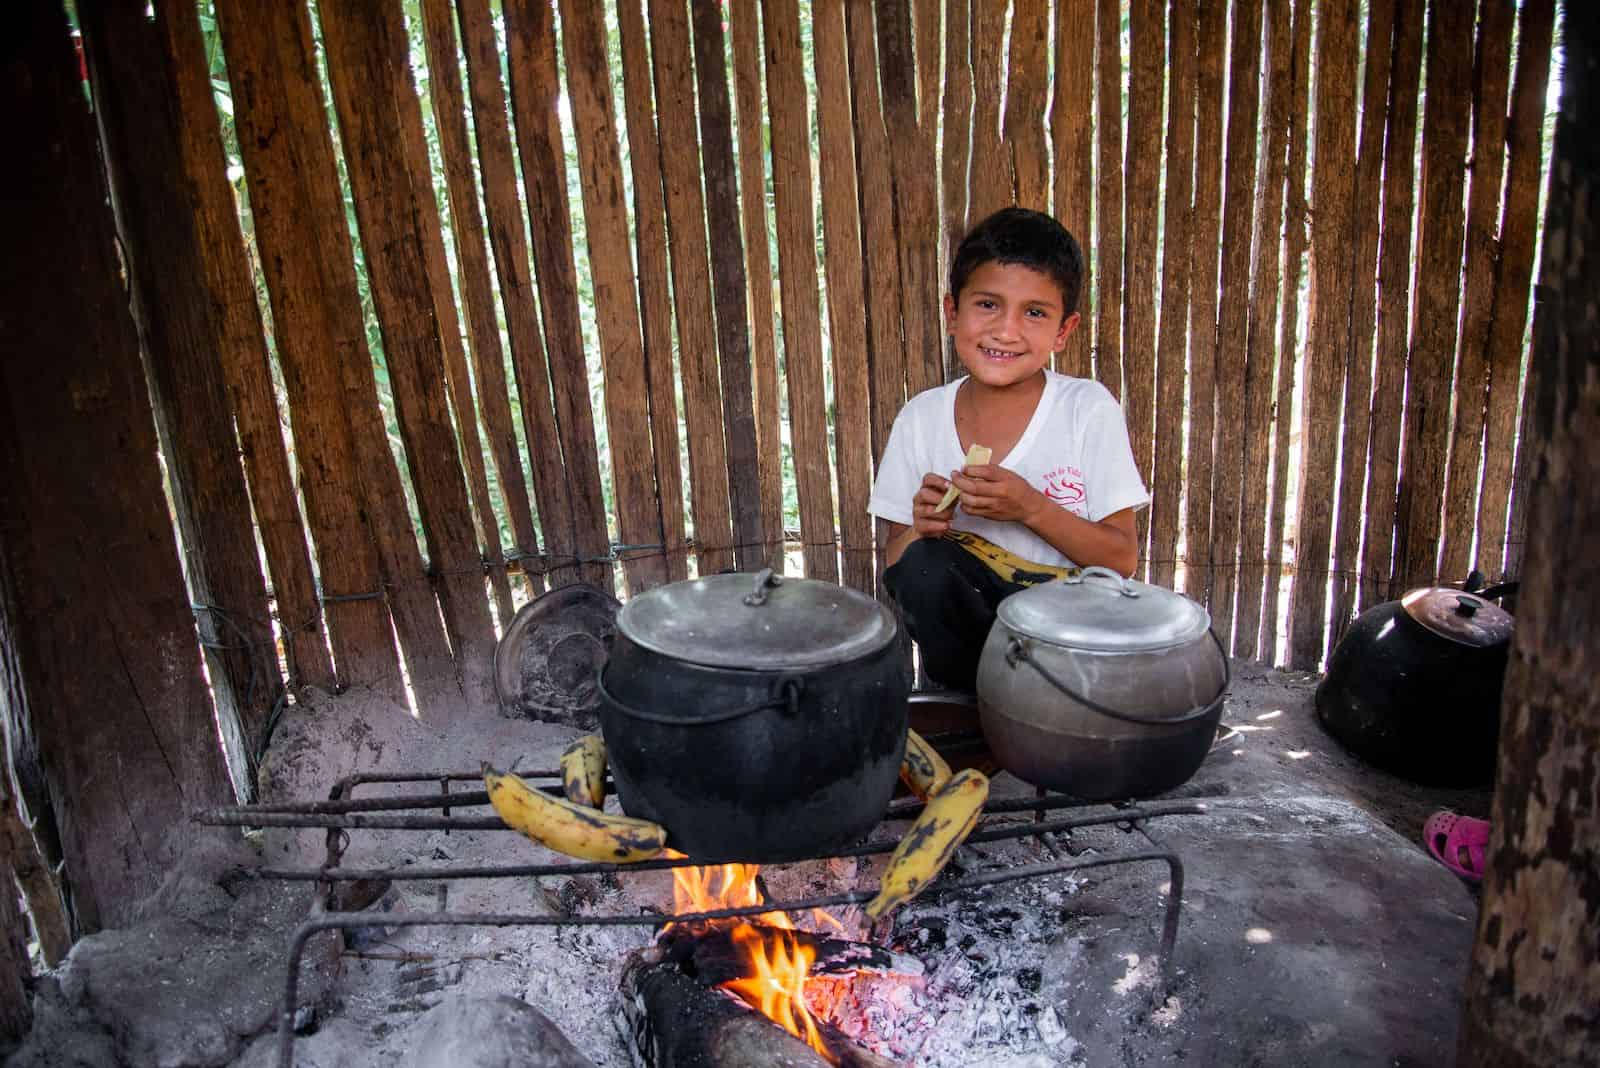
(757,719)
(1413,687)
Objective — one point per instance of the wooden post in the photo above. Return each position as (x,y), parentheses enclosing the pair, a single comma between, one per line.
(477,292)
(956,154)
(243,351)
(1294,248)
(691,284)
(847,326)
(989,183)
(655,297)
(1534,984)
(1446,113)
(1394,292)
(1027,154)
(1363,274)
(446,95)
(1491,72)
(108,723)
(1327,326)
(1166,482)
(1233,313)
(797,260)
(1258,388)
(509,243)
(1108,201)
(745,28)
(535,96)
(173,309)
(1072,133)
(728,284)
(370,74)
(1517,235)
(1203,256)
(926,26)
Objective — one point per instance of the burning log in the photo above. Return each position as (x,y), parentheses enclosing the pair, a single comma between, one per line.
(710,955)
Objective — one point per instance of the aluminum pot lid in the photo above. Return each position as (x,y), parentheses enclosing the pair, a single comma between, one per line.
(1100,611)
(757,622)
(1461,617)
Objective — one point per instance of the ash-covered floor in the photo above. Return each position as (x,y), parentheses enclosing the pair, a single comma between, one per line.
(1315,929)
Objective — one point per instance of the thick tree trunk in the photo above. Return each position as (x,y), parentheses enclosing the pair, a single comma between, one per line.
(1533,990)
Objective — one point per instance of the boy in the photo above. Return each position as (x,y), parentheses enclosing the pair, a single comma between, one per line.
(1062,489)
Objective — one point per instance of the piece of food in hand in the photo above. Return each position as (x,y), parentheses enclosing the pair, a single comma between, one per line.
(978,454)
(583,771)
(922,854)
(922,769)
(575,830)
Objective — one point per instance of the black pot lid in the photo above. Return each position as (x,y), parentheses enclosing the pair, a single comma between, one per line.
(1461,617)
(1100,611)
(760,622)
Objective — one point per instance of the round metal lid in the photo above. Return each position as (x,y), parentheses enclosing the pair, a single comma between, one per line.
(1100,611)
(1461,617)
(757,622)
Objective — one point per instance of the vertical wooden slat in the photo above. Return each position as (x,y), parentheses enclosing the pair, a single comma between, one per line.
(847,327)
(1363,274)
(957,122)
(887,356)
(163,257)
(691,283)
(16,970)
(1107,260)
(1143,180)
(990,184)
(797,260)
(1491,73)
(1027,153)
(445,90)
(1294,248)
(370,74)
(926,19)
(1518,232)
(744,25)
(728,282)
(1440,224)
(1263,365)
(535,94)
(1530,454)
(1203,265)
(100,679)
(655,298)
(1233,313)
(1327,324)
(1166,481)
(477,292)
(316,321)
(508,241)
(1072,134)
(243,351)
(1394,301)
(916,169)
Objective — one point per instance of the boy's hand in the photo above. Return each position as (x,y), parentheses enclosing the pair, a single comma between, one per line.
(927,520)
(997,493)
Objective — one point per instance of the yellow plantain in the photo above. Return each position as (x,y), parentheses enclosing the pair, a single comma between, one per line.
(977,454)
(583,771)
(577,831)
(923,769)
(944,824)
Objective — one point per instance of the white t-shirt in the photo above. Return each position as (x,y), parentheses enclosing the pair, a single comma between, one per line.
(1075,450)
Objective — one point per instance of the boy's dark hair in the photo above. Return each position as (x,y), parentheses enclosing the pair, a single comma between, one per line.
(1024,238)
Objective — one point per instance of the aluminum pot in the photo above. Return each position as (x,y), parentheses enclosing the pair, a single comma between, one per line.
(1101,687)
(757,718)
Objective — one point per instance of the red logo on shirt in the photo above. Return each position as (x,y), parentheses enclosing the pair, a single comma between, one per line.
(1064,486)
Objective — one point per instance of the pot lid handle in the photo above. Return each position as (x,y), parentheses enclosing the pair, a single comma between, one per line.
(1097,571)
(765,580)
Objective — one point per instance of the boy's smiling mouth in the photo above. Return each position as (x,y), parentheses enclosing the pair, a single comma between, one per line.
(997,354)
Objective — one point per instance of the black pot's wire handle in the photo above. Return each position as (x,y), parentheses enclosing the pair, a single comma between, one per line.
(1017,650)
(790,689)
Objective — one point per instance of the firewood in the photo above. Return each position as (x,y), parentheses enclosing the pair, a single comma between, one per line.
(711,958)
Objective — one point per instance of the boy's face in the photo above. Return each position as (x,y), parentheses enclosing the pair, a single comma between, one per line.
(1007,323)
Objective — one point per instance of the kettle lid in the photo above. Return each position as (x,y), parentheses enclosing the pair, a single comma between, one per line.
(1100,611)
(1459,616)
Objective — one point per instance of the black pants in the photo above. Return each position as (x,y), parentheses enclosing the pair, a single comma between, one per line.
(948,598)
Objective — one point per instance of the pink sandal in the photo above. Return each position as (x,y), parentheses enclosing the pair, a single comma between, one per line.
(1457,842)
